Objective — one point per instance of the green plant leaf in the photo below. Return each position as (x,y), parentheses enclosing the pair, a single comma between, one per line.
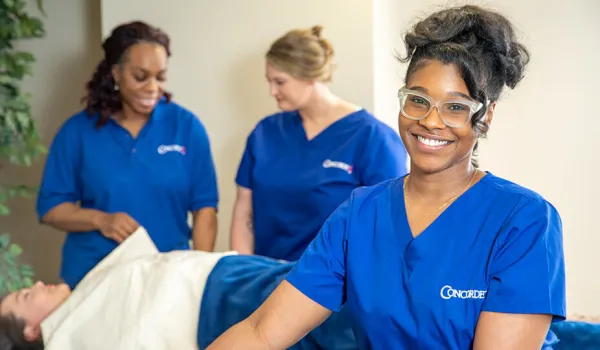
(3,286)
(19,139)
(4,210)
(40,6)
(15,249)
(10,260)
(4,240)
(13,274)
(27,282)
(13,285)
(27,271)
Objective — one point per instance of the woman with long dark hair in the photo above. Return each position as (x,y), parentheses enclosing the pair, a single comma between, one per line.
(132,157)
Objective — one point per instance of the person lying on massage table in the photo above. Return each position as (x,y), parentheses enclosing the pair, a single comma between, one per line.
(138,298)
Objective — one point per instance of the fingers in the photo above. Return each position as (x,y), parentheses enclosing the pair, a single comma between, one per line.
(130,224)
(122,226)
(125,223)
(116,238)
(119,234)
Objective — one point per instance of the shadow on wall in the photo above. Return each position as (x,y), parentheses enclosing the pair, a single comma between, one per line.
(66,58)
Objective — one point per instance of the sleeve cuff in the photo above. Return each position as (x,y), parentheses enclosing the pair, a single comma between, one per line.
(243,182)
(311,291)
(201,204)
(514,307)
(49,203)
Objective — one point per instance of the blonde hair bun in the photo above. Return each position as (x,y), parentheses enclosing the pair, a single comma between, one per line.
(316,31)
(303,54)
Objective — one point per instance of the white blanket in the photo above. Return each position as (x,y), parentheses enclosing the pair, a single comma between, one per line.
(136,298)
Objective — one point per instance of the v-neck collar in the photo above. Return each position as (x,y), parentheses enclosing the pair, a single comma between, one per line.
(416,246)
(329,129)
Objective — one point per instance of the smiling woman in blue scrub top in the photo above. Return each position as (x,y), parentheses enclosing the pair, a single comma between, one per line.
(301,163)
(449,256)
(131,158)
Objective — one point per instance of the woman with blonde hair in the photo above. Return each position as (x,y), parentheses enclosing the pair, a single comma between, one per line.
(303,161)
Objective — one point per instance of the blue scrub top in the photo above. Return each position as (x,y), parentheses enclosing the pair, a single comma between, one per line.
(156,178)
(497,248)
(297,183)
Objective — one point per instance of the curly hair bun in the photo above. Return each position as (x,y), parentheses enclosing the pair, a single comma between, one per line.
(486,36)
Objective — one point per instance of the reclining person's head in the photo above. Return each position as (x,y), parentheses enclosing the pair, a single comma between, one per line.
(22,313)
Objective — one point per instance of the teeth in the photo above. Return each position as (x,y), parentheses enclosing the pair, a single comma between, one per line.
(432,143)
(148,101)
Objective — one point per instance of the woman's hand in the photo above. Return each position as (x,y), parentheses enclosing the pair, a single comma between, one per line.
(117,226)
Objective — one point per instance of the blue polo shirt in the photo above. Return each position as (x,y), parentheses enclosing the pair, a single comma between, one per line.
(156,178)
(297,183)
(497,248)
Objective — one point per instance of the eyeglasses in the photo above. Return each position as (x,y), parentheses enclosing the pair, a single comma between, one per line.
(454,113)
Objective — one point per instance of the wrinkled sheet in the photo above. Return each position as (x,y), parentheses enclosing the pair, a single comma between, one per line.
(136,298)
(239,284)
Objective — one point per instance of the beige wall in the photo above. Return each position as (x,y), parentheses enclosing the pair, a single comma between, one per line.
(541,136)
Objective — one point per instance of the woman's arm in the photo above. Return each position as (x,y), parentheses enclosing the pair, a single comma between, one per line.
(242,233)
(504,331)
(204,229)
(69,217)
(284,318)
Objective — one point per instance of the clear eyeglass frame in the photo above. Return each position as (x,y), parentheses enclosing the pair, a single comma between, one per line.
(474,106)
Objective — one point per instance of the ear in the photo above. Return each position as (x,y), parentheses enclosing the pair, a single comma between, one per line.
(116,73)
(490,114)
(32,333)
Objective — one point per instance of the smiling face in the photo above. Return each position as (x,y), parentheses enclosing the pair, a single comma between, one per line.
(431,144)
(141,77)
(33,305)
(289,92)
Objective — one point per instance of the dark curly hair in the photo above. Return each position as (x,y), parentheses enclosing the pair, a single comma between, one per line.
(12,336)
(102,98)
(480,43)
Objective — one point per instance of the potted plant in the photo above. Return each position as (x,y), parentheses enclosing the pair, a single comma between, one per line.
(19,140)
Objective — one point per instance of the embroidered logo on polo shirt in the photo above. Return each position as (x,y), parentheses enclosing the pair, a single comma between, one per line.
(447,292)
(162,149)
(340,165)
